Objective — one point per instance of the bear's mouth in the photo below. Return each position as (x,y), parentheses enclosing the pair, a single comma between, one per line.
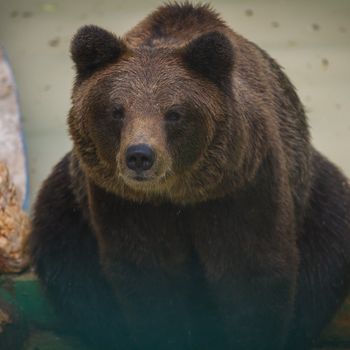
(143,181)
(140,178)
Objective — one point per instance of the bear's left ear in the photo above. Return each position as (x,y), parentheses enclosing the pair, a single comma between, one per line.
(93,47)
(211,55)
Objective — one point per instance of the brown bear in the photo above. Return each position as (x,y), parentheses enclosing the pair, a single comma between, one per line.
(192,211)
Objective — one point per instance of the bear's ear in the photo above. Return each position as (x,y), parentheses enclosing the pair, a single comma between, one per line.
(211,55)
(92,48)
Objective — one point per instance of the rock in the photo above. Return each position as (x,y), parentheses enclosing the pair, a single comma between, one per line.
(14,227)
(11,144)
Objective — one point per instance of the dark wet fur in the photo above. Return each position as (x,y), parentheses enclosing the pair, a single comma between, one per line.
(253,249)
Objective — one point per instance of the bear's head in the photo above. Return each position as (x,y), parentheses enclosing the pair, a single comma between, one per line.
(156,122)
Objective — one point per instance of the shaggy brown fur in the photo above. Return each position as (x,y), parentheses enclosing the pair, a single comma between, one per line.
(236,236)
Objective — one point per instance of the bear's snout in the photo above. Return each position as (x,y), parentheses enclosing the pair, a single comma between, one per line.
(139,158)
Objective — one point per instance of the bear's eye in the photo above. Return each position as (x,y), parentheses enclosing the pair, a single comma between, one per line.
(172,116)
(118,112)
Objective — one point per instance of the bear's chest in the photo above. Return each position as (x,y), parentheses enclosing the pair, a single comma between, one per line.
(147,238)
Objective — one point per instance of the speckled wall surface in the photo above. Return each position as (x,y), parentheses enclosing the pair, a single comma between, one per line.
(311,39)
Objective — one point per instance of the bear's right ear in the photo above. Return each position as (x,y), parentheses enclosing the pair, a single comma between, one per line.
(92,48)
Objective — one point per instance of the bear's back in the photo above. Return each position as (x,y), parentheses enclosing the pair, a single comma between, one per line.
(173,25)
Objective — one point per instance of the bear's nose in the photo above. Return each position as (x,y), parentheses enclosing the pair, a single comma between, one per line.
(139,157)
